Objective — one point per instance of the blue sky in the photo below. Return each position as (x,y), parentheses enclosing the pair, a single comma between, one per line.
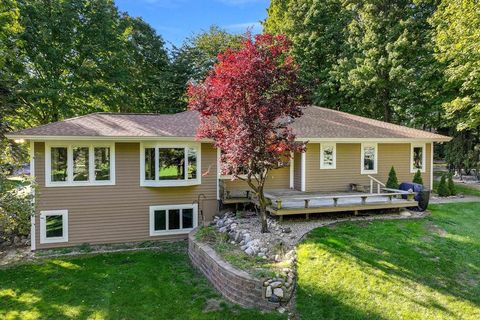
(175,20)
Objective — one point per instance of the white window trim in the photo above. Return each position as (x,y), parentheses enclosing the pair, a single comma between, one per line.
(154,232)
(322,155)
(362,158)
(170,183)
(424,150)
(91,168)
(43,226)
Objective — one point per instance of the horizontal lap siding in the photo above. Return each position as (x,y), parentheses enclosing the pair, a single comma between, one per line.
(119,213)
(277,179)
(348,166)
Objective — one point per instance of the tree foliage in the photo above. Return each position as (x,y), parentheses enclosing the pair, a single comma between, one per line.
(451,185)
(196,57)
(392,181)
(417,177)
(246,104)
(457,24)
(442,189)
(74,57)
(373,58)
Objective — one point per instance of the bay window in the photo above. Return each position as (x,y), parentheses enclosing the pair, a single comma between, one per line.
(369,158)
(417,157)
(176,219)
(77,163)
(169,165)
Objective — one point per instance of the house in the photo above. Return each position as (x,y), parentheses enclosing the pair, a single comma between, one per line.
(113,177)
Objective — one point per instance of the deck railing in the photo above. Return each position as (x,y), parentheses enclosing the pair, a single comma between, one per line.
(390,194)
(378,182)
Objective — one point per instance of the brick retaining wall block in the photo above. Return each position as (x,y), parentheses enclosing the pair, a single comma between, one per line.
(237,286)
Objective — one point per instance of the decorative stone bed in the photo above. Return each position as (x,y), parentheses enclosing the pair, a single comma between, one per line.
(268,293)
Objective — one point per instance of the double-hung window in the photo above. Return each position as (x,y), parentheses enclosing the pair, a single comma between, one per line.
(417,157)
(369,158)
(53,226)
(169,165)
(173,219)
(328,156)
(79,163)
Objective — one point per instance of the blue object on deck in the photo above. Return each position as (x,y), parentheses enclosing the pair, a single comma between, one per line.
(422,196)
(415,187)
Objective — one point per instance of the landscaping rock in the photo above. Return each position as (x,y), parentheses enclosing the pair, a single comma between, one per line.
(278,292)
(268,292)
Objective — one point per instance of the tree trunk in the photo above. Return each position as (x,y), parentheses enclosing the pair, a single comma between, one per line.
(262,202)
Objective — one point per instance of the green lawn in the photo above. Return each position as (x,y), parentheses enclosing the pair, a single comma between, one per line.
(425,269)
(139,285)
(461,188)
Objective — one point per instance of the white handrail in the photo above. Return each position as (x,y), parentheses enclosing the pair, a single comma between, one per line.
(379,184)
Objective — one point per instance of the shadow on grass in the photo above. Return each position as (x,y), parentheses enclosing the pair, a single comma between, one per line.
(441,252)
(134,285)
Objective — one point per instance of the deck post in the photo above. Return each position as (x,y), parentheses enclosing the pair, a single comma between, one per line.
(371,186)
(307,216)
(364,200)
(355,212)
(280,218)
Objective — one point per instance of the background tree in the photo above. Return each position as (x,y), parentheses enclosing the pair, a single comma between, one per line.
(317,31)
(246,103)
(196,57)
(82,56)
(457,39)
(392,181)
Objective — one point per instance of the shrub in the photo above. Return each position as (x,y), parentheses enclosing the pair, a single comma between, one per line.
(443,187)
(16,208)
(417,178)
(392,181)
(451,186)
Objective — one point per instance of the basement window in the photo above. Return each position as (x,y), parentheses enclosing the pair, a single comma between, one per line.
(173,219)
(165,165)
(53,226)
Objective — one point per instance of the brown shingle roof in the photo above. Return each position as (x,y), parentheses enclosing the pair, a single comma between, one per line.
(316,122)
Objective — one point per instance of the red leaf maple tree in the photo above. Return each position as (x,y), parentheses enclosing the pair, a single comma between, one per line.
(246,104)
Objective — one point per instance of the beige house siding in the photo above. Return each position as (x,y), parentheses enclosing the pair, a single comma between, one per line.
(119,213)
(348,166)
(277,179)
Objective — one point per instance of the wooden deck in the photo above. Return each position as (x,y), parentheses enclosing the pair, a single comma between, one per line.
(286,202)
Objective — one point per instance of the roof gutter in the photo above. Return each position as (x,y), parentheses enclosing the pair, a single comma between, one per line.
(163,138)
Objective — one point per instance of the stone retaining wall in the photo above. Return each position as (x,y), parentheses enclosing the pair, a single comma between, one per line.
(237,286)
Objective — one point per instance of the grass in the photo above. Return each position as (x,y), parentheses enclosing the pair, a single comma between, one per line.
(134,285)
(416,269)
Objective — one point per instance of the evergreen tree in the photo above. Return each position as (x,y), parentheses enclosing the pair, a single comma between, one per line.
(392,181)
(417,177)
(443,187)
(451,185)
